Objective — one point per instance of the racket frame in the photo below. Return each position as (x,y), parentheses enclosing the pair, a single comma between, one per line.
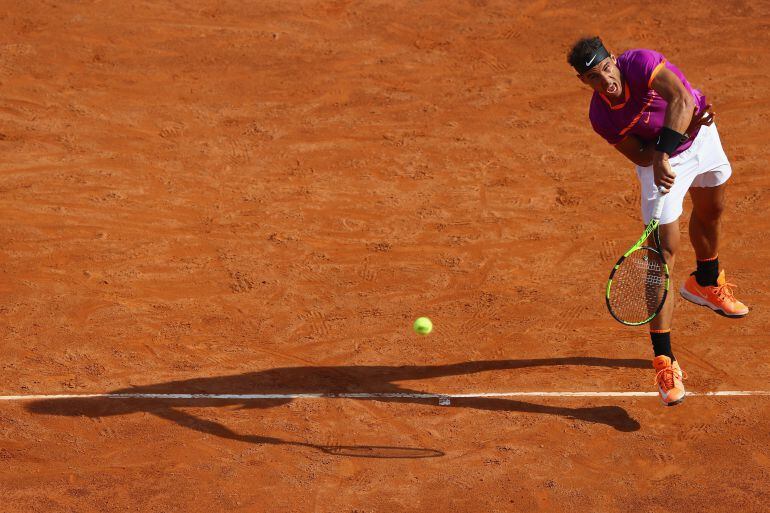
(651,229)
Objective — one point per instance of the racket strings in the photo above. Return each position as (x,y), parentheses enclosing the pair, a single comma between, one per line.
(638,286)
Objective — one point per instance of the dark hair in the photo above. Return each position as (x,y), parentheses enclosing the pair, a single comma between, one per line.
(582,49)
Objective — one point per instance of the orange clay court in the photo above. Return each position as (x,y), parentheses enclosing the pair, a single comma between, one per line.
(247,204)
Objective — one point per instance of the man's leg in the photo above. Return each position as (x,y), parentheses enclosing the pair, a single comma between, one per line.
(708,287)
(669,242)
(669,375)
(661,324)
(708,203)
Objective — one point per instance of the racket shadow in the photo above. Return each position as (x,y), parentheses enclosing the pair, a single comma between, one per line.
(333,379)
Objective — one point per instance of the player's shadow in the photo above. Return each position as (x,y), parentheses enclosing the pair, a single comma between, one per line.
(333,380)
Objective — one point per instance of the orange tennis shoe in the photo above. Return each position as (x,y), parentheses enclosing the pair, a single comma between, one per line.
(669,380)
(719,298)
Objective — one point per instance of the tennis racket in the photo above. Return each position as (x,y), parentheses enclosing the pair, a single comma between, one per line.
(638,283)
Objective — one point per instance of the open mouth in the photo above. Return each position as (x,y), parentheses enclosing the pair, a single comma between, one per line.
(612,89)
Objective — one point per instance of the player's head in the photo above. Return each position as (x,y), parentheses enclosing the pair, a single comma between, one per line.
(596,66)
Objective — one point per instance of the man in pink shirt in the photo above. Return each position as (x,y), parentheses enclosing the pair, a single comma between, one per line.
(644,106)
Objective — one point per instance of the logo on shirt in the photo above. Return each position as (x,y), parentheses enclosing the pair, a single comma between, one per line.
(647,119)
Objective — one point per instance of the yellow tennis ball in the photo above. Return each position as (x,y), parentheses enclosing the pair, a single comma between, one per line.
(423,326)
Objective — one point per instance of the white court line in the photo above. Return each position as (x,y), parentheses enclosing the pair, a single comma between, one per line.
(443,398)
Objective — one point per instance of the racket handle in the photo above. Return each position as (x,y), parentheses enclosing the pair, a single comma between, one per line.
(657,208)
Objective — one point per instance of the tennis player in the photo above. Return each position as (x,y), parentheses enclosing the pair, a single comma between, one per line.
(644,106)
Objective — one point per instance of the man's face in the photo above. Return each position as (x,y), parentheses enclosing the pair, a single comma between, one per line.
(604,78)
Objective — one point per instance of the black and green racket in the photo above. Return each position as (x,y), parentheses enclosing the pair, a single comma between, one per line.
(638,283)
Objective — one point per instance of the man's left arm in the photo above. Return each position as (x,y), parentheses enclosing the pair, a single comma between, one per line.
(642,152)
(681,104)
(679,113)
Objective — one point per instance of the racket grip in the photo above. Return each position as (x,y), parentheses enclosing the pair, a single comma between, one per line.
(657,209)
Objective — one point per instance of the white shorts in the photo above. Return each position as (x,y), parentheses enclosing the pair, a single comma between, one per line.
(704,164)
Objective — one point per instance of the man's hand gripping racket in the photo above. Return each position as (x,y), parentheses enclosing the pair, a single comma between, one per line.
(638,284)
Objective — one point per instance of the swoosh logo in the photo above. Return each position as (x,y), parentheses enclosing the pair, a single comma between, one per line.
(647,121)
(592,60)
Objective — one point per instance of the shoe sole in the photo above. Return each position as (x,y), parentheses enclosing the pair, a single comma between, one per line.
(673,403)
(692,298)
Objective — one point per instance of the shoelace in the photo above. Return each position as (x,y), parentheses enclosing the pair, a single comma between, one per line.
(667,374)
(725,291)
